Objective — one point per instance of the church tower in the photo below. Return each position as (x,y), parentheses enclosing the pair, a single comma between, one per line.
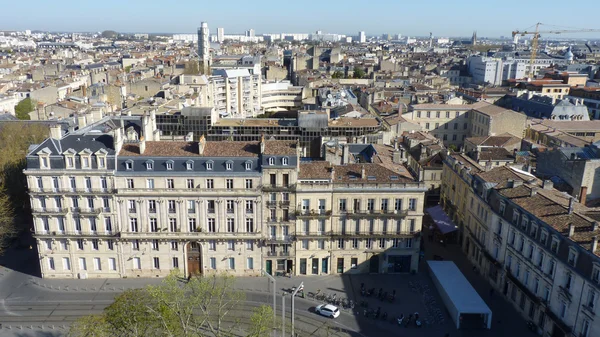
(474,38)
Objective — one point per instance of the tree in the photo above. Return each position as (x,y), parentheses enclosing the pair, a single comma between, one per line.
(261,322)
(337,74)
(15,139)
(359,72)
(191,68)
(200,307)
(24,107)
(109,34)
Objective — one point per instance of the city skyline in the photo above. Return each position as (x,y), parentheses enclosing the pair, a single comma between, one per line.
(331,17)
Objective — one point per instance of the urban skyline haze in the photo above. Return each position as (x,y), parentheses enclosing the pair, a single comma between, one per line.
(443,18)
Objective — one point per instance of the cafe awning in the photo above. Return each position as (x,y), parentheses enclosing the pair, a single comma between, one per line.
(441,219)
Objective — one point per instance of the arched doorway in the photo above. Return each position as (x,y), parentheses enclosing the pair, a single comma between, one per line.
(374,264)
(194,259)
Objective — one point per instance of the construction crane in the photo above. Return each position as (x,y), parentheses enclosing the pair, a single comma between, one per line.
(536,36)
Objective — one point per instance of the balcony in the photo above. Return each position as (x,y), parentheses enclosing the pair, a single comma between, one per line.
(280,239)
(198,235)
(374,213)
(271,203)
(191,210)
(86,210)
(188,192)
(311,235)
(249,210)
(271,253)
(534,298)
(47,234)
(284,253)
(374,234)
(47,210)
(278,188)
(284,204)
(313,214)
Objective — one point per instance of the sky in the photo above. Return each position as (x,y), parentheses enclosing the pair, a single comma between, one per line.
(444,18)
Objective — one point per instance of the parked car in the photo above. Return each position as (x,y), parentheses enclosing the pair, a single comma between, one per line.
(328,310)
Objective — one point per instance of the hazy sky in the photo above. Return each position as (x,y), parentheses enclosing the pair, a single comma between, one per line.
(442,17)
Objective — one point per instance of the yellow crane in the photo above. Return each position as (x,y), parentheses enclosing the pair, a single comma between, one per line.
(536,36)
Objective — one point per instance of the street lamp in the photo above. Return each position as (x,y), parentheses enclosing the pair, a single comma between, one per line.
(274,289)
(301,286)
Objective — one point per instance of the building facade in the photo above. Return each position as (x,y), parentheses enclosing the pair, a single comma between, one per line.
(536,246)
(112,203)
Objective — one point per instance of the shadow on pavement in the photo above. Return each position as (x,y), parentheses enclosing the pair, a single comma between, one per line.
(22,256)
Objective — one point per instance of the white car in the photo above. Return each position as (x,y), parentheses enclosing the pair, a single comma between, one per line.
(328,310)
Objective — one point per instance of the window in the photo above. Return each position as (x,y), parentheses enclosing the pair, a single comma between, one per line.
(156,262)
(271,161)
(305,244)
(340,244)
(572,256)
(342,205)
(137,263)
(112,263)
(190,183)
(212,245)
(82,264)
(171,206)
(133,223)
(191,206)
(248,183)
(398,205)
(95,244)
(409,243)
(169,165)
(230,244)
(248,165)
(369,243)
(554,246)
(230,225)
(110,244)
(174,245)
(210,184)
(249,263)
(213,263)
(155,245)
(149,165)
(231,263)
(135,245)
(412,204)
(97,264)
(129,165)
(211,225)
(229,166)
(354,263)
(591,300)
(250,225)
(382,243)
(150,183)
(130,183)
(596,274)
(585,328)
(209,167)
(249,245)
(563,309)
(170,183)
(189,165)
(284,161)
(175,262)
(66,263)
(354,243)
(51,265)
(229,183)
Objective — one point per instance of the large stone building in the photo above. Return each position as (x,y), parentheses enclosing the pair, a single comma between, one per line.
(112,200)
(535,245)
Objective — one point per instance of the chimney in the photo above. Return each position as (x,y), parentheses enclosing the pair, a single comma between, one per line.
(345,154)
(81,121)
(363,174)
(533,191)
(84,90)
(594,246)
(547,184)
(595,226)
(583,195)
(142,145)
(201,145)
(397,157)
(571,201)
(118,139)
(262,144)
(56,132)
(571,230)
(332,173)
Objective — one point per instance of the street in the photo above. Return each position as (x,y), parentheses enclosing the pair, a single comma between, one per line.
(30,306)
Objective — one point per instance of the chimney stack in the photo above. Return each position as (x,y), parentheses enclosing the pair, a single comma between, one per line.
(595,226)
(594,246)
(56,132)
(533,191)
(142,145)
(571,230)
(201,145)
(363,174)
(571,202)
(262,144)
(547,184)
(332,173)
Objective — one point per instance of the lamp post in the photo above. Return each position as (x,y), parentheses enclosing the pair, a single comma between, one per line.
(301,286)
(274,289)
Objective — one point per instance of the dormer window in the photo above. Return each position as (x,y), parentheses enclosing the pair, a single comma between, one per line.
(572,256)
(85,162)
(44,162)
(271,161)
(189,165)
(554,246)
(101,158)
(502,208)
(129,165)
(169,165)
(284,161)
(209,165)
(150,165)
(44,156)
(229,165)
(70,162)
(248,165)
